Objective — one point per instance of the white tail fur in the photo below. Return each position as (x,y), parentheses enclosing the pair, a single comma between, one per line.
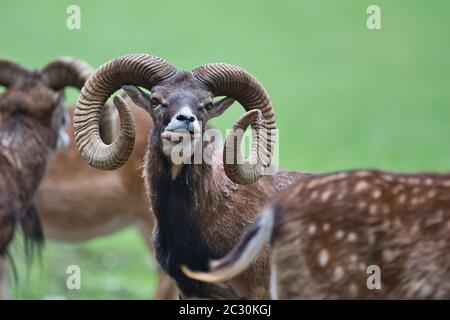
(243,254)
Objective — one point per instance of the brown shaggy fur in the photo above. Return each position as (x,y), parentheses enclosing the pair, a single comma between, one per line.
(30,116)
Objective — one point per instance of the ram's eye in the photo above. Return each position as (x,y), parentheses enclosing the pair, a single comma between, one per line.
(208,106)
(155,102)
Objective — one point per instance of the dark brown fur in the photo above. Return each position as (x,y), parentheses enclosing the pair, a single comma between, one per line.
(29,128)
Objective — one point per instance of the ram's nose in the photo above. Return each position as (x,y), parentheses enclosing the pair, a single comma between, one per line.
(183,119)
(186,118)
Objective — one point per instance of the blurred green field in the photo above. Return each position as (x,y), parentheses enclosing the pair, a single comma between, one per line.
(344,96)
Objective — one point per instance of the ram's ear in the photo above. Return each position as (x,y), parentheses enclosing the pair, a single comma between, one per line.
(139,97)
(220,106)
(59,98)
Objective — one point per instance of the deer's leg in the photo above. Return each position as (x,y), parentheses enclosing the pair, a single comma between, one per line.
(3,292)
(166,288)
(7,225)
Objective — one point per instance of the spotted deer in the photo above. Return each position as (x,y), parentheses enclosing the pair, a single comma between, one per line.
(328,231)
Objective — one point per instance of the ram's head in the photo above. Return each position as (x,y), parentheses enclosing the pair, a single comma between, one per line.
(180,103)
(38,96)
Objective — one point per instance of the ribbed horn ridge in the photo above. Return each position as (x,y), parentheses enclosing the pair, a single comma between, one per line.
(135,69)
(235,82)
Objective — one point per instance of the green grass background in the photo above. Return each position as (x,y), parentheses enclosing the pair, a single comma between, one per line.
(344,96)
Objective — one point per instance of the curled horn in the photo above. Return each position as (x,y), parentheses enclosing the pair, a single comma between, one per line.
(235,82)
(135,69)
(70,72)
(66,72)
